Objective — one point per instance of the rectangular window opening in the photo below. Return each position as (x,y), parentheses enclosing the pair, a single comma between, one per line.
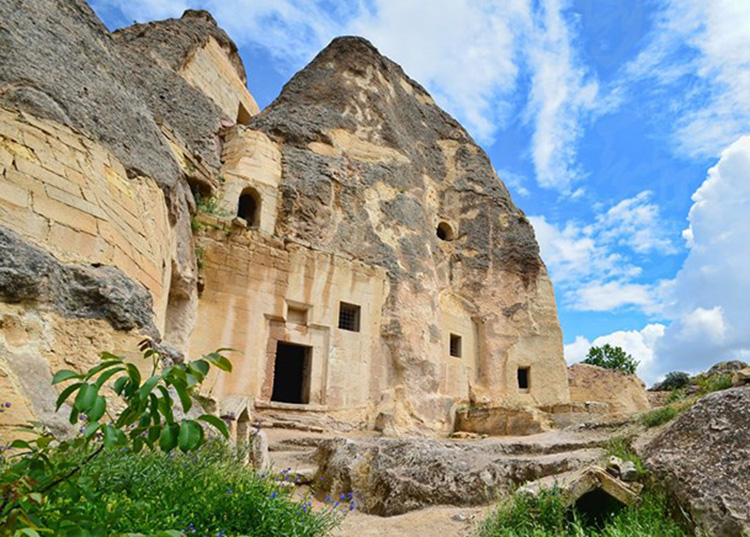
(455,346)
(349,315)
(523,378)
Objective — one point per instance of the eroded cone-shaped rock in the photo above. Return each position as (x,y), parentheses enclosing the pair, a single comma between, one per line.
(373,168)
(704,459)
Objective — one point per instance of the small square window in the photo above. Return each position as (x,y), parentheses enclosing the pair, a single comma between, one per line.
(455,346)
(349,317)
(523,378)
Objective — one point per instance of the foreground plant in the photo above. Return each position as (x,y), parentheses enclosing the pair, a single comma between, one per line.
(143,417)
(546,515)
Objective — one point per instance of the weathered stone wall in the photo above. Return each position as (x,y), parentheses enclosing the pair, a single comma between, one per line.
(210,70)
(260,290)
(623,393)
(71,196)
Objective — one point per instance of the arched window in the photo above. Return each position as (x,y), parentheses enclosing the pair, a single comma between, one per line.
(445,232)
(249,207)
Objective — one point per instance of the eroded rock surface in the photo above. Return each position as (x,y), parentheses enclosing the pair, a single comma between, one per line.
(623,393)
(390,477)
(703,457)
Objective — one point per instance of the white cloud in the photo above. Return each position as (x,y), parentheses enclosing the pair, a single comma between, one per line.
(639,344)
(707,303)
(711,108)
(635,223)
(593,264)
(562,95)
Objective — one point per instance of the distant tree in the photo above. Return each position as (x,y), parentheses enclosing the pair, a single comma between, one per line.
(610,357)
(674,381)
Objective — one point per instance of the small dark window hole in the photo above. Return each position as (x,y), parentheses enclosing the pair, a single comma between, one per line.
(445,231)
(523,378)
(455,346)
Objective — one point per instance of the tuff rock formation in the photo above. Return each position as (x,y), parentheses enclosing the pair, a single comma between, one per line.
(352,241)
(623,393)
(703,458)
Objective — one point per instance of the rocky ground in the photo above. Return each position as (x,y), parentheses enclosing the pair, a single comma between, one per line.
(424,486)
(439,486)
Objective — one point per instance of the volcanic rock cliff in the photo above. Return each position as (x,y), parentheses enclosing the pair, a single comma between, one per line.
(368,199)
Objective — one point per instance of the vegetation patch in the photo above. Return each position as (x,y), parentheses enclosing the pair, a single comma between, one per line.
(546,515)
(205,492)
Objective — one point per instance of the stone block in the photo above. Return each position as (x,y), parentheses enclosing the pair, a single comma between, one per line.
(64,214)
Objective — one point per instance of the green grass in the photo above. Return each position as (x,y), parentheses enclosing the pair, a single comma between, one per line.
(546,516)
(207,493)
(618,447)
(659,416)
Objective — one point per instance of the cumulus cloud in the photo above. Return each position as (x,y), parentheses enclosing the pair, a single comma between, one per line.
(638,343)
(707,303)
(595,265)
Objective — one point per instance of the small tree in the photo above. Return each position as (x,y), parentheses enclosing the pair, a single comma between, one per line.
(674,381)
(144,418)
(610,357)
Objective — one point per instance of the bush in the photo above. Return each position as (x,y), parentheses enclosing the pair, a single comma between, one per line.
(714,383)
(207,492)
(674,381)
(546,515)
(610,357)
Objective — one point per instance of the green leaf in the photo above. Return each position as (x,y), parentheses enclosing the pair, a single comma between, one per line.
(182,393)
(97,411)
(113,436)
(86,397)
(148,386)
(101,367)
(218,423)
(134,374)
(219,361)
(90,429)
(192,380)
(66,393)
(65,374)
(169,437)
(190,436)
(200,366)
(120,384)
(104,377)
(20,444)
(109,356)
(154,432)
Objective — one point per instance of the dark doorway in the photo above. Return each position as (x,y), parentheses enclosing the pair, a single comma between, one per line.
(248,207)
(291,377)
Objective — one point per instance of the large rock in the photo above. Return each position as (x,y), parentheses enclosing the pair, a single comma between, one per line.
(390,477)
(374,169)
(703,458)
(623,393)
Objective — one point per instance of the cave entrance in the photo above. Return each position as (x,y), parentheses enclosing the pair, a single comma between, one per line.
(596,506)
(291,376)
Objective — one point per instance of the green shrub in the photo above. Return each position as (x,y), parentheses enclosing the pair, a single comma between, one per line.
(610,357)
(659,416)
(674,381)
(206,492)
(714,383)
(546,516)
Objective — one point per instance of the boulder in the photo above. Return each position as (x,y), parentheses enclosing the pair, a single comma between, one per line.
(390,477)
(741,377)
(726,367)
(703,458)
(623,393)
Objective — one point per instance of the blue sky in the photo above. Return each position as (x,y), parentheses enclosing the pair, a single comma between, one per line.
(617,125)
